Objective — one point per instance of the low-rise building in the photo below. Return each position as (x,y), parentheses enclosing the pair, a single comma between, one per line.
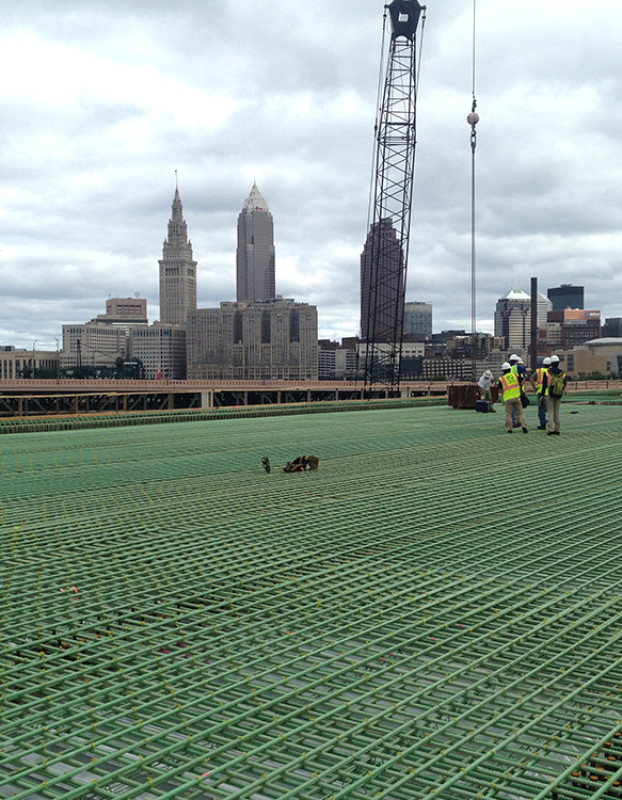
(93,344)
(99,344)
(596,358)
(22,363)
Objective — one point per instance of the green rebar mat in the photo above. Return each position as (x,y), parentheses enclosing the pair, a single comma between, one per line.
(434,612)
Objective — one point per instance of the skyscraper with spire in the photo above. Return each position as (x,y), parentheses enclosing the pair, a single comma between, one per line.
(255,251)
(178,280)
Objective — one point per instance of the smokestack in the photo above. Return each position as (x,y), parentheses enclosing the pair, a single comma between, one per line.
(533,347)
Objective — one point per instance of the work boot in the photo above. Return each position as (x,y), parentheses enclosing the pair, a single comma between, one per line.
(524,430)
(266,464)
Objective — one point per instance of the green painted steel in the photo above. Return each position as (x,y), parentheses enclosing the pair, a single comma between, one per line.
(435,612)
(123,419)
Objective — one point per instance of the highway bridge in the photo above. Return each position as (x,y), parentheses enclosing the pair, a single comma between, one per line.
(37,397)
(28,397)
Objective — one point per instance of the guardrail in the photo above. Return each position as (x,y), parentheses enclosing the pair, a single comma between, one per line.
(37,384)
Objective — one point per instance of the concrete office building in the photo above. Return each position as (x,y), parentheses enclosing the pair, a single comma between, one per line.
(125,309)
(255,251)
(178,280)
(101,341)
(94,344)
(338,361)
(161,349)
(513,318)
(21,363)
(275,340)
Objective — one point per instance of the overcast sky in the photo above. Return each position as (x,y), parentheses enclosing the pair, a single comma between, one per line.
(103,100)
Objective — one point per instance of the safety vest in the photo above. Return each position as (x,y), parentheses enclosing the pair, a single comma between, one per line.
(539,377)
(548,379)
(510,385)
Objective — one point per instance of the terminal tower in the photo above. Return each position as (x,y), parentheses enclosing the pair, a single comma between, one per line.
(178,270)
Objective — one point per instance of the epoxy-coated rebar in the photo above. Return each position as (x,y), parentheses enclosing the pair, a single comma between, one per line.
(434,612)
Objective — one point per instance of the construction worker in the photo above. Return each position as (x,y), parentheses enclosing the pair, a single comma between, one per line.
(553,385)
(521,369)
(517,366)
(484,387)
(536,380)
(510,386)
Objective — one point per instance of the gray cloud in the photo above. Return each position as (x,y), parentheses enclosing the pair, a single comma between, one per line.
(107,100)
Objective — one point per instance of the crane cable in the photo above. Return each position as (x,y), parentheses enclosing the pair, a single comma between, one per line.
(379,91)
(473,119)
(371,197)
(424,10)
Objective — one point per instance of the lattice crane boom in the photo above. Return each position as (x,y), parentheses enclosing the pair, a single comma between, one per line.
(385,257)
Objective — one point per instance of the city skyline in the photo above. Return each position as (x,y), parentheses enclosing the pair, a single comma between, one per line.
(106,102)
(255,279)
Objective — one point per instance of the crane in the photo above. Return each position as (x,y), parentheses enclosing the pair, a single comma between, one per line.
(385,257)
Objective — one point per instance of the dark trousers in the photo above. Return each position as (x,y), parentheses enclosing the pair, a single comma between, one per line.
(542,410)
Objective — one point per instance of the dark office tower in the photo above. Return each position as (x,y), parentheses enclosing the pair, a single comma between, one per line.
(255,253)
(612,328)
(566,296)
(382,311)
(178,279)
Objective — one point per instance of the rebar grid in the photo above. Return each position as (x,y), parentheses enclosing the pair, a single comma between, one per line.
(434,612)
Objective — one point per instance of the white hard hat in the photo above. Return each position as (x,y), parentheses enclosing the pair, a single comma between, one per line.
(513,357)
(505,365)
(520,360)
(546,361)
(488,374)
(554,359)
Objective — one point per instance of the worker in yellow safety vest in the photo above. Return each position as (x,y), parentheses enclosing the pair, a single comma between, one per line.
(536,379)
(553,386)
(510,386)
(517,366)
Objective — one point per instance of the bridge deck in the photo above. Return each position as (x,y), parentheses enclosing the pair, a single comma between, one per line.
(434,612)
